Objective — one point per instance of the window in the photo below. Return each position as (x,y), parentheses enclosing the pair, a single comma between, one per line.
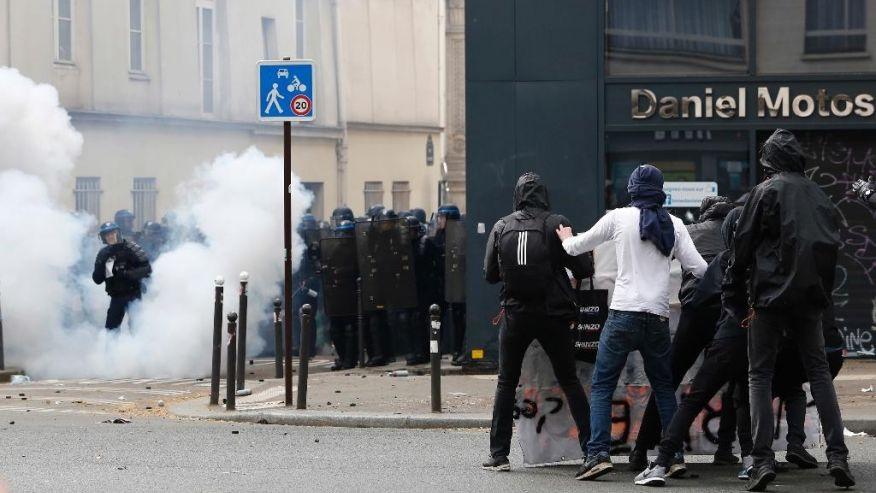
(401,195)
(299,28)
(205,53)
(317,206)
(373,193)
(835,26)
(144,194)
(269,38)
(87,195)
(136,35)
(64,30)
(675,37)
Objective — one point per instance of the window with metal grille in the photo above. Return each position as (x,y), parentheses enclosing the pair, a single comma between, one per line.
(64,30)
(269,38)
(205,54)
(87,194)
(299,28)
(316,207)
(136,35)
(373,193)
(144,193)
(401,195)
(835,26)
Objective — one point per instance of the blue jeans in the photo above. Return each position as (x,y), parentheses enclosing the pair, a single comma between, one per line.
(624,333)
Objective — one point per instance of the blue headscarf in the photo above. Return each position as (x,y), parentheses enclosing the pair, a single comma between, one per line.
(655,225)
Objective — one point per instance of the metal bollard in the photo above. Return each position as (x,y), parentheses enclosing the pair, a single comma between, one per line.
(435,355)
(230,380)
(217,340)
(303,354)
(278,340)
(361,322)
(241,335)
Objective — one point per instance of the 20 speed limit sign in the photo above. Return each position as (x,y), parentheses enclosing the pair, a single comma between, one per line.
(300,105)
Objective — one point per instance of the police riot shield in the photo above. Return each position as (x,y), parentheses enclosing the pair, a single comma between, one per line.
(386,261)
(454,262)
(339,272)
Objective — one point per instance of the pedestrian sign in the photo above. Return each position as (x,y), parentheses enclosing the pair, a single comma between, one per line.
(286,90)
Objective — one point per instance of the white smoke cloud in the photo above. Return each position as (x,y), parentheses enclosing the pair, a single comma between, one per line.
(53,313)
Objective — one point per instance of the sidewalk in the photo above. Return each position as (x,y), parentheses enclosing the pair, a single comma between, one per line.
(374,398)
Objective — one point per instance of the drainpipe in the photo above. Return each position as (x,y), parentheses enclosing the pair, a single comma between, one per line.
(341,144)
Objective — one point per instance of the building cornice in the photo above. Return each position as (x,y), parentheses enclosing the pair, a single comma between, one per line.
(256,128)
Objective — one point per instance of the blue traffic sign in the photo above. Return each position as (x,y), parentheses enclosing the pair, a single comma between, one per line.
(286,90)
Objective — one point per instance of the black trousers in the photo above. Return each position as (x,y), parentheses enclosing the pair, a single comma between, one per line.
(724,360)
(694,332)
(765,336)
(418,337)
(117,309)
(344,336)
(458,316)
(556,339)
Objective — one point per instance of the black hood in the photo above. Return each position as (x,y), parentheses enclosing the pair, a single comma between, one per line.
(782,153)
(714,208)
(530,193)
(728,229)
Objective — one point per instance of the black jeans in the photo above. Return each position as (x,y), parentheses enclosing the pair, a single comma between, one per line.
(514,338)
(344,336)
(117,308)
(724,361)
(764,339)
(695,330)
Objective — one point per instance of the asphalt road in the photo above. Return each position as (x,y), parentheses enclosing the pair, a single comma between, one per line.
(77,452)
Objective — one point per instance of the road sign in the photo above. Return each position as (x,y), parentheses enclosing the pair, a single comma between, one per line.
(688,193)
(286,90)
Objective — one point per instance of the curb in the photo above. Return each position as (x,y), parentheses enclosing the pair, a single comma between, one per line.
(198,409)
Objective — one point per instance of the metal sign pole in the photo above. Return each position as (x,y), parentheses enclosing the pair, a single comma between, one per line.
(288,316)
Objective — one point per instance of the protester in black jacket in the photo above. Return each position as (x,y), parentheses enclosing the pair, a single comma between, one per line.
(121,266)
(546,318)
(782,270)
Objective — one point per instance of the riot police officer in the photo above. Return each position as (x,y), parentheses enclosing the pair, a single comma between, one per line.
(307,279)
(418,332)
(342,328)
(449,212)
(153,239)
(121,266)
(124,219)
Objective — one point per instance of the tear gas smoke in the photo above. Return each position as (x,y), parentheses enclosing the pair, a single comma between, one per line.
(54,313)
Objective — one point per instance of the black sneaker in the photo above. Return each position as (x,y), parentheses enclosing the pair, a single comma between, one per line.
(594,467)
(337,366)
(842,476)
(678,467)
(638,460)
(798,455)
(761,477)
(497,464)
(724,457)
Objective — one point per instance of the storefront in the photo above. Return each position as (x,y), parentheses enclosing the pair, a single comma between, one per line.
(694,88)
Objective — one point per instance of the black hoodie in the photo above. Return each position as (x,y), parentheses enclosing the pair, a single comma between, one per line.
(787,238)
(531,200)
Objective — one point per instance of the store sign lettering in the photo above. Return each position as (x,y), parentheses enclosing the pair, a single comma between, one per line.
(770,103)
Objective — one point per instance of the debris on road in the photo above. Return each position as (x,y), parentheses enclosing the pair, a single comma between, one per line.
(399,373)
(867,389)
(117,421)
(849,433)
(235,432)
(160,403)
(19,379)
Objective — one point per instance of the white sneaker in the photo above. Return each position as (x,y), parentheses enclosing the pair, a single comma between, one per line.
(653,475)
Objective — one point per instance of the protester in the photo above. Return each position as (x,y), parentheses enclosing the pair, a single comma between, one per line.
(646,237)
(121,266)
(696,326)
(538,304)
(780,279)
(724,361)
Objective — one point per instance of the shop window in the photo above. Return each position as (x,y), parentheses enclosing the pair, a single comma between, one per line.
(682,155)
(675,36)
(373,193)
(835,26)
(87,195)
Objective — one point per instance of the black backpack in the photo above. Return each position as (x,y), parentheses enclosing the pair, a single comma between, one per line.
(524,257)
